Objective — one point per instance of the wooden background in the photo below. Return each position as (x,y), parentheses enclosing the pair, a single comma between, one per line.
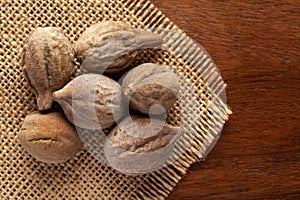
(256,45)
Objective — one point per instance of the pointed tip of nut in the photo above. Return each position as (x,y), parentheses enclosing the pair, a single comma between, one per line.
(44,101)
(55,96)
(58,95)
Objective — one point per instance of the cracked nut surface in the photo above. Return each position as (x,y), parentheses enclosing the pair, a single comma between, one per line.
(48,62)
(111,46)
(139,144)
(91,101)
(151,84)
(49,138)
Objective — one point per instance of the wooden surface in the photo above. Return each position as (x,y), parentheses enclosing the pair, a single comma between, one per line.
(256,45)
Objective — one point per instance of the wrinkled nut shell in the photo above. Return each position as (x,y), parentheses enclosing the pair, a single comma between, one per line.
(49,138)
(48,63)
(112,46)
(91,101)
(139,145)
(150,84)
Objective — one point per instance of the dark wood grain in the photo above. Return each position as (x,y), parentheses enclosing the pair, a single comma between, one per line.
(256,45)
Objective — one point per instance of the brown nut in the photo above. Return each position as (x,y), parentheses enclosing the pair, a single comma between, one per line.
(49,138)
(48,62)
(151,84)
(139,145)
(112,46)
(91,101)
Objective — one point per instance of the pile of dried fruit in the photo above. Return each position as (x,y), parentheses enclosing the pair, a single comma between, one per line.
(94,101)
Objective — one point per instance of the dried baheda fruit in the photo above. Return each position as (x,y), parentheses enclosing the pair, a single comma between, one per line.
(48,62)
(111,46)
(50,137)
(91,101)
(140,145)
(151,84)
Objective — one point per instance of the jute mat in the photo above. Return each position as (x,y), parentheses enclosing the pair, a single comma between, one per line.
(84,177)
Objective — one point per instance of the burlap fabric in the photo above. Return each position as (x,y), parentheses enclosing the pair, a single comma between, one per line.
(84,177)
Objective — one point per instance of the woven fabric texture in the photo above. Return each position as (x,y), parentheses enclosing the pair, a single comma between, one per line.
(84,177)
